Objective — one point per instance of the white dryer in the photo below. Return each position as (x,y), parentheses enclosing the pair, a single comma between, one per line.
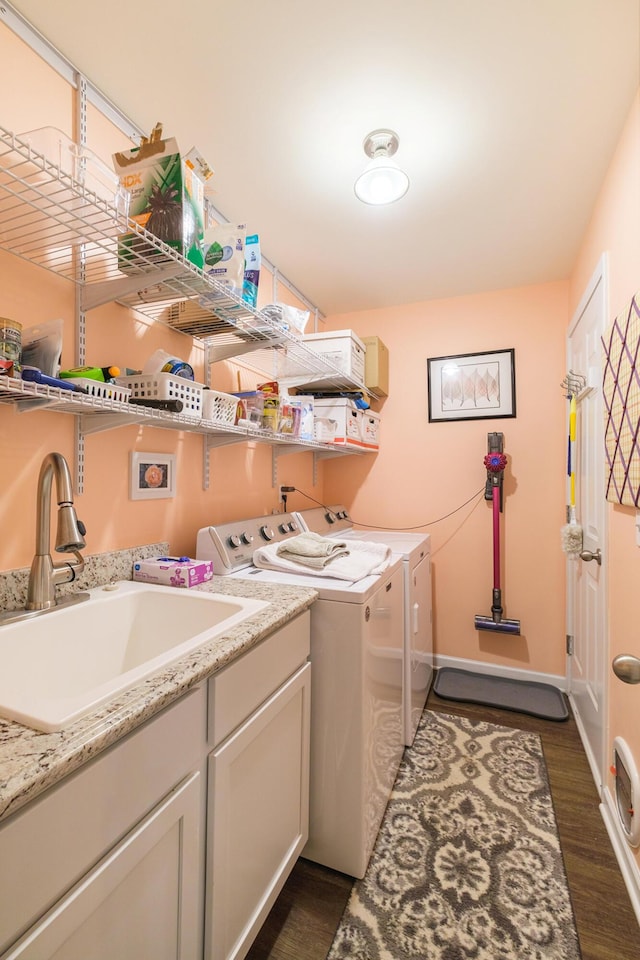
(356,687)
(415,552)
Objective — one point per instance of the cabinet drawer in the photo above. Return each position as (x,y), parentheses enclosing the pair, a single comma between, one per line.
(237,690)
(49,845)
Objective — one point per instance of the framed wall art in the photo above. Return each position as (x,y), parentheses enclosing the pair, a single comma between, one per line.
(472,386)
(152,476)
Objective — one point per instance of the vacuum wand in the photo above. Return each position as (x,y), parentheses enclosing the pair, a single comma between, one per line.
(495,462)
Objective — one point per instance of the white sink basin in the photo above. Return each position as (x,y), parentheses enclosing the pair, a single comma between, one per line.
(60,666)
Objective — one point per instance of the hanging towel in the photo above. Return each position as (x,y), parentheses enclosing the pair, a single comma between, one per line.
(362,560)
(312,550)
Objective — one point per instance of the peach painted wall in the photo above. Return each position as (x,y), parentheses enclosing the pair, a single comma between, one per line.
(240,475)
(425,471)
(614,228)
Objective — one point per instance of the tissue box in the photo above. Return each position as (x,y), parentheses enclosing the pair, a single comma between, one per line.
(173,571)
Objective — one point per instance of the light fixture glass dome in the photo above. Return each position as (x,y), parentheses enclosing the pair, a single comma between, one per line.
(382,181)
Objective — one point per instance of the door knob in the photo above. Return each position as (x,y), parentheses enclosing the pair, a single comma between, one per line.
(627,668)
(589,555)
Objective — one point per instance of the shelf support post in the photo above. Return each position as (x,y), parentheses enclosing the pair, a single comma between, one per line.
(80,135)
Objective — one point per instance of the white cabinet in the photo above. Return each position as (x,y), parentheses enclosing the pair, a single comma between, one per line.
(84,851)
(140,901)
(110,862)
(258,814)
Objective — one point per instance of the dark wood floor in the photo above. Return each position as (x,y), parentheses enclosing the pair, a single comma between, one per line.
(303,922)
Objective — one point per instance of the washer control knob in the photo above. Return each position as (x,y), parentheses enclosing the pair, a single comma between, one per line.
(246,537)
(267,533)
(330,517)
(234,541)
(284,527)
(293,526)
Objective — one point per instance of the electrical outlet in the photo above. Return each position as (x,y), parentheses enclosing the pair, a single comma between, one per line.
(284,490)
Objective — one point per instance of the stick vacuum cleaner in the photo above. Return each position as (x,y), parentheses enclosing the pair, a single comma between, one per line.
(495,462)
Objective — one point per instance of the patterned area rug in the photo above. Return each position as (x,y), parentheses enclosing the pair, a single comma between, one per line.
(467,864)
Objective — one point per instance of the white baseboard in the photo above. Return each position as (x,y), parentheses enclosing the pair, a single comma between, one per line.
(586,746)
(496,670)
(626,860)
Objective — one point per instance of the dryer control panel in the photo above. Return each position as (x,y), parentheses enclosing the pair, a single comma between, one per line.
(230,546)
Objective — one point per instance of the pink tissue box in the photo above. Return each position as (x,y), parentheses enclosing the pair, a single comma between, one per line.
(173,571)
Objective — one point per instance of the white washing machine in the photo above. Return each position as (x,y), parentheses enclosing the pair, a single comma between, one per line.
(415,551)
(356,687)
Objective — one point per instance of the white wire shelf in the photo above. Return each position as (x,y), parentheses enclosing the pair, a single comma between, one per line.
(98,414)
(50,218)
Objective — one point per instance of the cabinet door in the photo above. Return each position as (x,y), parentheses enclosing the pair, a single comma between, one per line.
(258,817)
(140,901)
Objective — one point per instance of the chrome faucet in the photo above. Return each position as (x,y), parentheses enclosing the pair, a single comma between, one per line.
(45,575)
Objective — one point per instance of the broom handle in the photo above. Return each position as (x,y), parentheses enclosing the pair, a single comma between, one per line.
(496,537)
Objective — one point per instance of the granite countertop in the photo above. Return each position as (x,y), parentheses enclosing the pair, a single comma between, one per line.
(31,761)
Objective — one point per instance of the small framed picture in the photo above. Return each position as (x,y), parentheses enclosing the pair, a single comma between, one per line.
(152,476)
(472,386)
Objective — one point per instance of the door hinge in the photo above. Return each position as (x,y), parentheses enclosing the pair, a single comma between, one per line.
(569,645)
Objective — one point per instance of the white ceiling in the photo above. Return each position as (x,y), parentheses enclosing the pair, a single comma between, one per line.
(507,112)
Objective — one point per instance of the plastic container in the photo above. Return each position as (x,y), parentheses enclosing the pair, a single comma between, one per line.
(250,407)
(219,407)
(104,374)
(271,412)
(106,391)
(166,386)
(163,362)
(79,162)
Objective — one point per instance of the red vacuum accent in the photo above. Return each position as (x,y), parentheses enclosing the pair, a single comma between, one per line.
(495,462)
(496,537)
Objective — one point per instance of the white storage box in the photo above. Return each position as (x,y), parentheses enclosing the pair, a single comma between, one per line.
(337,420)
(370,428)
(219,407)
(342,348)
(165,386)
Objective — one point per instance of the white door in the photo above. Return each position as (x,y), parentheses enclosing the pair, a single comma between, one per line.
(587,619)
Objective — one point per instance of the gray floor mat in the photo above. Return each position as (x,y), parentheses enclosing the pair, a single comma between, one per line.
(523,696)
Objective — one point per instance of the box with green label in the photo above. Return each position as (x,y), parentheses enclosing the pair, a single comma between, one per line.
(166,198)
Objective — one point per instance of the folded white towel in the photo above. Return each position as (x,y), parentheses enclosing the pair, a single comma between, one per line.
(312,550)
(362,560)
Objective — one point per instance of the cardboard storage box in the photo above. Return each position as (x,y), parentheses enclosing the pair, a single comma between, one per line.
(337,420)
(165,197)
(370,428)
(342,348)
(173,571)
(376,366)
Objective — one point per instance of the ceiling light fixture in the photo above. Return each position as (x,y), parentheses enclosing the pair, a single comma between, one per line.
(382,181)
